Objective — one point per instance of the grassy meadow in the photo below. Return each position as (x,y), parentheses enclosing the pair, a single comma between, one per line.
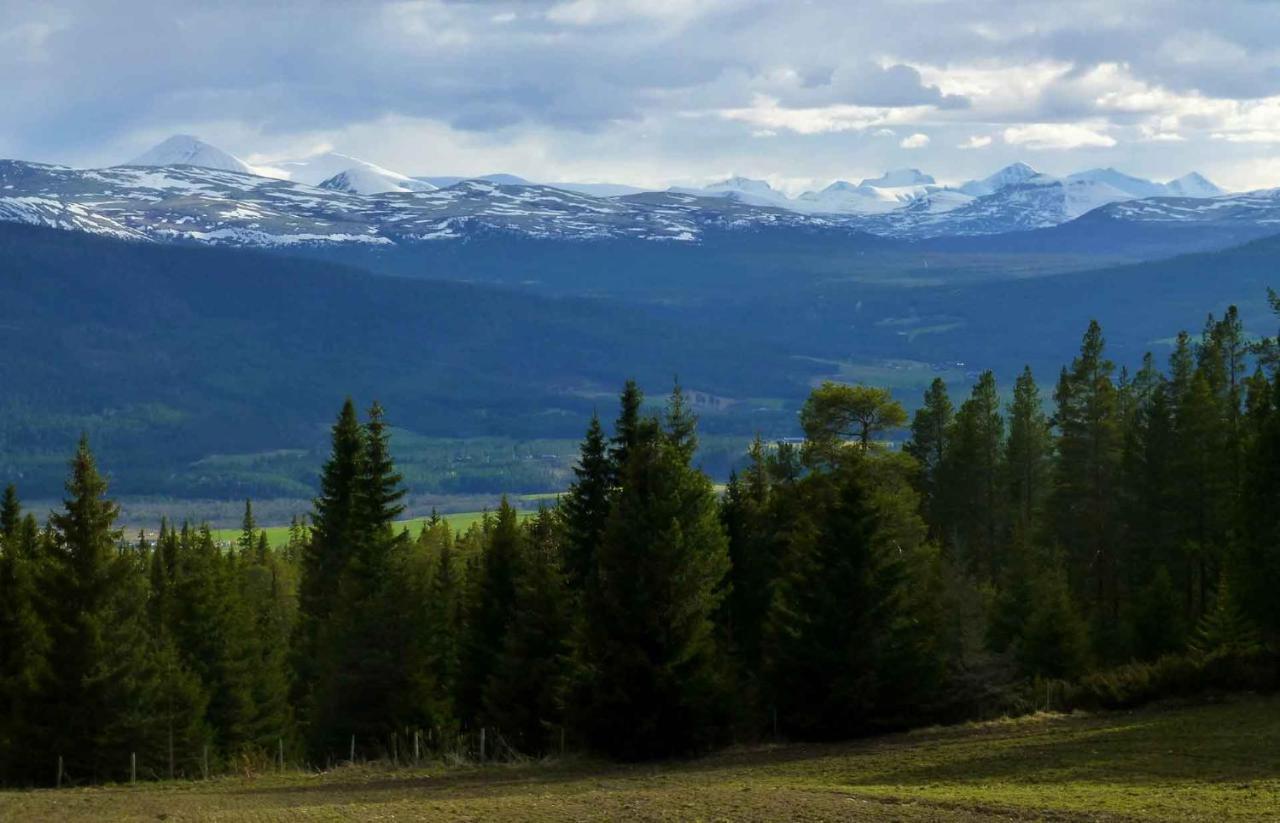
(1209,762)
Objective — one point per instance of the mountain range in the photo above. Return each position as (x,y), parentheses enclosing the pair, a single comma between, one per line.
(187,190)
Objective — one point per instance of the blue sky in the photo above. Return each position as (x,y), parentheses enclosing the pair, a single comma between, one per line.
(656,92)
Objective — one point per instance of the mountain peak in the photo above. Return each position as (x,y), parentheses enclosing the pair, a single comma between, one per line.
(189,150)
(1194,184)
(367,178)
(896,178)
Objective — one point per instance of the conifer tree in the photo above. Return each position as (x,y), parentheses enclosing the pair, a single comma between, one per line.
(98,705)
(651,676)
(367,634)
(585,507)
(248,543)
(1027,456)
(627,427)
(490,610)
(24,639)
(930,435)
(972,471)
(332,540)
(1085,488)
(10,513)
(524,696)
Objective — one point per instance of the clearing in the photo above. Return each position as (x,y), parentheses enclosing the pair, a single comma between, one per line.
(1208,762)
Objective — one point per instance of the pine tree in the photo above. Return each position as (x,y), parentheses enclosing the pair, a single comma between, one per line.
(972,471)
(1085,487)
(1027,456)
(651,676)
(930,435)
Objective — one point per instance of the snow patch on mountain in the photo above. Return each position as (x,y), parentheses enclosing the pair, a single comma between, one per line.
(370,179)
(189,150)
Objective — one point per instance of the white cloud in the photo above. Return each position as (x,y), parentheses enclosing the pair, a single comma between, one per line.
(1056,136)
(915,141)
(977,141)
(766,112)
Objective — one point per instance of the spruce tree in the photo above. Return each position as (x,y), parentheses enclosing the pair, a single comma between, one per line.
(98,705)
(524,696)
(585,507)
(490,611)
(332,539)
(651,682)
(24,638)
(367,636)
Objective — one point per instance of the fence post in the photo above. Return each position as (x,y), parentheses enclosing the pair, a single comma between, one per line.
(133,767)
(353,750)
(59,784)
(280,750)
(395,748)
(417,738)
(482,730)
(204,761)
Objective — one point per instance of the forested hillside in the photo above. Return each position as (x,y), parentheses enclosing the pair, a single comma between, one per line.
(203,372)
(1120,548)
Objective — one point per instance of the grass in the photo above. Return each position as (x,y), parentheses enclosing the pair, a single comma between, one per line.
(459,522)
(1215,762)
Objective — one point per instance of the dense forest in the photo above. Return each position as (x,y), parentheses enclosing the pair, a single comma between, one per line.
(1114,542)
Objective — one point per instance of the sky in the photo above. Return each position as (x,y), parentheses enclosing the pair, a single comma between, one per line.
(656,92)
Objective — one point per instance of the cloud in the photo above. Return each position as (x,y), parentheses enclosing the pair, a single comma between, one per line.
(652,88)
(915,141)
(1056,136)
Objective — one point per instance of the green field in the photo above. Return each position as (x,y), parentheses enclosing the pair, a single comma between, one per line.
(1214,762)
(458,522)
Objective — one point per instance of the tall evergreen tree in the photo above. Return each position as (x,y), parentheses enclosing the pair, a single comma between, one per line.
(1027,457)
(651,676)
(972,471)
(524,696)
(585,507)
(490,611)
(1084,504)
(930,436)
(101,701)
(332,540)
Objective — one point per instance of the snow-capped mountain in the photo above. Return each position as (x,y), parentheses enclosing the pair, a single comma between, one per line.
(741,190)
(188,150)
(1193,185)
(189,203)
(370,179)
(187,190)
(1010,175)
(899,178)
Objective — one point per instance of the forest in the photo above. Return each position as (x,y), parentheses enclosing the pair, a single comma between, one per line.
(1102,544)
